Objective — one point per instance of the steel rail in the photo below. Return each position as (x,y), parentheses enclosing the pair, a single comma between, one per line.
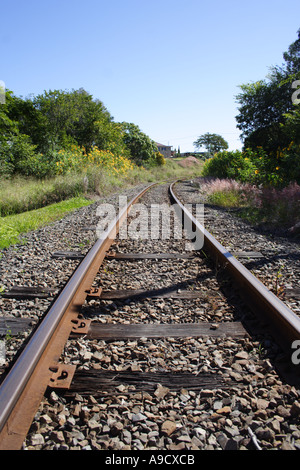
(261,300)
(18,387)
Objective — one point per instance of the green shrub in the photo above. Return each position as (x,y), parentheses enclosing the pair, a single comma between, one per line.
(234,165)
(37,165)
(13,151)
(258,167)
(160,159)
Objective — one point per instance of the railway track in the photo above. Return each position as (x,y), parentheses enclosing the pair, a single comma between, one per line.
(152,345)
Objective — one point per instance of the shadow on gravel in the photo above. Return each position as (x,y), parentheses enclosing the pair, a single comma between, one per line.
(262,331)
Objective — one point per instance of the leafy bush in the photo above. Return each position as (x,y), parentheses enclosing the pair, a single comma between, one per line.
(288,164)
(234,165)
(6,167)
(160,159)
(14,151)
(276,169)
(38,165)
(157,160)
(76,159)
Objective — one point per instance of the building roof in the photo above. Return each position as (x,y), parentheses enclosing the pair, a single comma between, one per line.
(163,145)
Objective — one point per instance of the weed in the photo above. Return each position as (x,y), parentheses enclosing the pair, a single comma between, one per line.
(278,288)
(8,336)
(275,207)
(261,351)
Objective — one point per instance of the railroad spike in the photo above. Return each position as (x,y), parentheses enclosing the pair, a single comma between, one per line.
(81,326)
(62,376)
(94,292)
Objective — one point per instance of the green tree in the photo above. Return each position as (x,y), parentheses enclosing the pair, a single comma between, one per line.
(291,125)
(8,126)
(264,104)
(15,146)
(91,121)
(56,119)
(33,130)
(212,142)
(142,148)
(292,58)
(67,117)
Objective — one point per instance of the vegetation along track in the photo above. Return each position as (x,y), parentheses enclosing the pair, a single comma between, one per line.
(156,347)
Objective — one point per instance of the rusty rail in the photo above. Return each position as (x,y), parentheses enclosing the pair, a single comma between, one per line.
(23,388)
(38,365)
(261,300)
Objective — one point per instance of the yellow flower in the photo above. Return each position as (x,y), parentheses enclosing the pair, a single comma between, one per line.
(256,172)
(277,168)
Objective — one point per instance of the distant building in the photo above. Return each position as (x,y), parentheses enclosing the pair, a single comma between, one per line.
(164,149)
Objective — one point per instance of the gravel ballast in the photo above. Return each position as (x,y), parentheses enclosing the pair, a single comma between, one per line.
(255,410)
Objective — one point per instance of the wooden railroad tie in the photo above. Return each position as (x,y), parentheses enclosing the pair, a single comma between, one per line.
(119,331)
(99,382)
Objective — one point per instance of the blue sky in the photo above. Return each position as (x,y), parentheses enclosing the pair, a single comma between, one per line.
(172,67)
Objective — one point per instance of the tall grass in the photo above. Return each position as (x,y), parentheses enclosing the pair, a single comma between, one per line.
(18,195)
(26,194)
(277,207)
(280,206)
(228,192)
(28,203)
